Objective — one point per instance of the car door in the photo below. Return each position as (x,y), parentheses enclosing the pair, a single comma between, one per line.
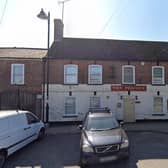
(33,126)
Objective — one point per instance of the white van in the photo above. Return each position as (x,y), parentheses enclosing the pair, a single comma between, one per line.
(17,129)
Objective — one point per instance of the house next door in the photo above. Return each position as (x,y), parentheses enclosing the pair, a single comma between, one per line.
(129,109)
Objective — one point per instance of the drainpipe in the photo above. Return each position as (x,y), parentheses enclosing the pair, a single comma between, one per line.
(43,87)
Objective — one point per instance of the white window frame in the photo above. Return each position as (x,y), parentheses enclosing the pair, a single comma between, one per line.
(74,99)
(99,81)
(123,77)
(154,105)
(66,74)
(156,80)
(12,74)
(95,97)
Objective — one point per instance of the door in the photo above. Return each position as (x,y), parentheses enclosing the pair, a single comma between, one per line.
(129,109)
(33,126)
(158,105)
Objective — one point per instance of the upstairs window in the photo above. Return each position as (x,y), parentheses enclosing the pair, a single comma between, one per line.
(128,74)
(95,74)
(70,74)
(158,75)
(17,74)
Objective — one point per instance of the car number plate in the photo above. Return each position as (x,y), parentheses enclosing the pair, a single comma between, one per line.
(108,158)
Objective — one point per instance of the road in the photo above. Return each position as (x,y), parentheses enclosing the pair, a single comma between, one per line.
(62,151)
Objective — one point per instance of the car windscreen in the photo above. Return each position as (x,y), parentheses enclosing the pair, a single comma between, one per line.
(101,123)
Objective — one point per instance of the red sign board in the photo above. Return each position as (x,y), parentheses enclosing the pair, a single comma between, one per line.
(128,88)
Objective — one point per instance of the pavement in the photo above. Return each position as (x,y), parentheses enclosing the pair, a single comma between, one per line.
(159,126)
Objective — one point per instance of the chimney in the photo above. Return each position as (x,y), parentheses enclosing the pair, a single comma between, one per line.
(58,29)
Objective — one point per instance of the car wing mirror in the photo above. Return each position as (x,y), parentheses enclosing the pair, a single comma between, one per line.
(121,123)
(80,127)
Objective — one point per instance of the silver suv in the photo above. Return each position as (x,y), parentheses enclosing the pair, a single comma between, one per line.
(102,138)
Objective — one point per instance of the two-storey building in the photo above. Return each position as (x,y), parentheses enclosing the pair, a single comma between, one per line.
(22,75)
(128,77)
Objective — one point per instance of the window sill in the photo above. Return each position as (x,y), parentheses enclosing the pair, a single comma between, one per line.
(14,84)
(95,83)
(158,84)
(70,116)
(71,83)
(158,114)
(129,84)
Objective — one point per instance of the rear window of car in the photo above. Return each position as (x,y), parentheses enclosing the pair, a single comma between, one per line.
(101,123)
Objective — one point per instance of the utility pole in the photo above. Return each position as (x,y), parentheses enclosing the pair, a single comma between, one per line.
(62,2)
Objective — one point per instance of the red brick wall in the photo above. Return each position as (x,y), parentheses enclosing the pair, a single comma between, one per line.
(112,71)
(33,74)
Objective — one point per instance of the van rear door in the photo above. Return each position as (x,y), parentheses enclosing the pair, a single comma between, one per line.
(4,134)
(17,132)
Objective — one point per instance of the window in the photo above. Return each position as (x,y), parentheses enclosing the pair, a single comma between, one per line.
(95,74)
(158,104)
(70,106)
(128,74)
(158,76)
(17,74)
(101,123)
(94,102)
(70,74)
(31,119)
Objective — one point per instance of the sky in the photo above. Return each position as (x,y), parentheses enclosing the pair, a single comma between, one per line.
(100,19)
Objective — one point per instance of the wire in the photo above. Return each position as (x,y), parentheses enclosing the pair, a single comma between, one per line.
(116,13)
(3,11)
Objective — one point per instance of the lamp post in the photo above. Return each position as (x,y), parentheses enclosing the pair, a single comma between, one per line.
(44,16)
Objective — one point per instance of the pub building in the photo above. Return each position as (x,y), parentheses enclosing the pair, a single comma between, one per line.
(127,76)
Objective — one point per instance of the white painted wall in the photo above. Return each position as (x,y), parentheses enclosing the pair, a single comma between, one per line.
(110,99)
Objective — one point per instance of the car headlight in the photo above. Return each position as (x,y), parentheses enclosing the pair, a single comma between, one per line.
(125,141)
(86,147)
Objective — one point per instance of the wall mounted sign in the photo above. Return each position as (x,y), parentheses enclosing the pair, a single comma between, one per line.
(128,88)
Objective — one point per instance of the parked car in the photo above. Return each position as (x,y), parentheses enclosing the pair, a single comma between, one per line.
(17,129)
(102,138)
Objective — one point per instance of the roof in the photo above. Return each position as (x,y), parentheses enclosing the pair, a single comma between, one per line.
(101,115)
(99,110)
(105,49)
(22,53)
(6,113)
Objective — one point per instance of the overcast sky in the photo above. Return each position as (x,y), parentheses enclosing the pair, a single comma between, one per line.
(110,19)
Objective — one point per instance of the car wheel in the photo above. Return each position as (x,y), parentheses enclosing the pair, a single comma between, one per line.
(82,165)
(2,158)
(41,134)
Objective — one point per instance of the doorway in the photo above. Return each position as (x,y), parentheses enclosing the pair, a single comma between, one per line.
(129,109)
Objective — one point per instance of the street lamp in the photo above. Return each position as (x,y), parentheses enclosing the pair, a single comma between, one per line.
(44,16)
